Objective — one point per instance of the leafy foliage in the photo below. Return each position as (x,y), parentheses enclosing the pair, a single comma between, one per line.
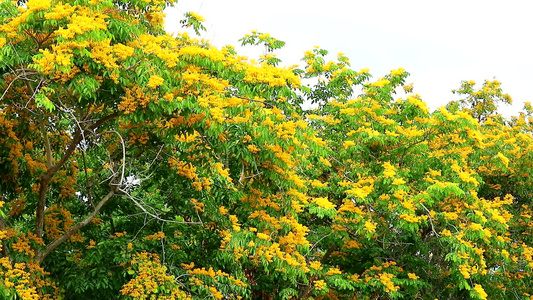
(139,165)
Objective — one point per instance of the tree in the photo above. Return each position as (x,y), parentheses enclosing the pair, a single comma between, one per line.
(140,165)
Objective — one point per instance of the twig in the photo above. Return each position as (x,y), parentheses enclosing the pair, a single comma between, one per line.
(132,198)
(430,220)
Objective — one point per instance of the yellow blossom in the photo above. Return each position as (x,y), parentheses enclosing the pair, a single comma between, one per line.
(222,210)
(320,285)
(324,203)
(315,265)
(333,271)
(480,291)
(398,181)
(504,159)
(446,232)
(38,4)
(348,144)
(476,226)
(196,16)
(397,72)
(263,236)
(450,216)
(155,81)
(389,171)
(370,226)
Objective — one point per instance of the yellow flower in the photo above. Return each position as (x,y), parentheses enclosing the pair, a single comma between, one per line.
(370,226)
(324,203)
(505,253)
(450,216)
(320,285)
(410,218)
(187,266)
(197,16)
(434,173)
(263,236)
(222,210)
(381,83)
(412,276)
(476,226)
(386,280)
(465,271)
(253,148)
(446,232)
(481,292)
(504,159)
(315,265)
(38,4)
(155,81)
(397,72)
(408,204)
(333,271)
(348,144)
(398,181)
(362,192)
(408,88)
(389,171)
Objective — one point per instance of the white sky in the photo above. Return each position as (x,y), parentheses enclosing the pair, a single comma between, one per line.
(439,43)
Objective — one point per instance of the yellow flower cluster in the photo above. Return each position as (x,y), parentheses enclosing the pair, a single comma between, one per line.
(155,81)
(480,291)
(370,227)
(386,280)
(410,218)
(222,171)
(57,221)
(197,16)
(28,280)
(319,285)
(34,5)
(324,203)
(59,11)
(184,169)
(389,170)
(81,22)
(149,276)
(156,236)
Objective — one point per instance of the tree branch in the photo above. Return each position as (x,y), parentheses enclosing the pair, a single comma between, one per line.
(132,198)
(42,255)
(50,172)
(47,148)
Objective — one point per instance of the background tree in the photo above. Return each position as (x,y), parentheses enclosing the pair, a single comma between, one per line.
(140,165)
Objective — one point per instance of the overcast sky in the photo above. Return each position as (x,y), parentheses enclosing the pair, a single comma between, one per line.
(439,43)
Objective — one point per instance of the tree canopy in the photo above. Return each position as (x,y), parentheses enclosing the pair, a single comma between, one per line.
(137,164)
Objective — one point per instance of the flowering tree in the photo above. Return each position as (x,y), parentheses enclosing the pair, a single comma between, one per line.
(141,165)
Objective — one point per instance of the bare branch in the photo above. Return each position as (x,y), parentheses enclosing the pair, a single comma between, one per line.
(430,220)
(132,198)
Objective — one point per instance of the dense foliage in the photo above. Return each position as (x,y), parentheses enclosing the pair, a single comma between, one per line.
(135,164)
